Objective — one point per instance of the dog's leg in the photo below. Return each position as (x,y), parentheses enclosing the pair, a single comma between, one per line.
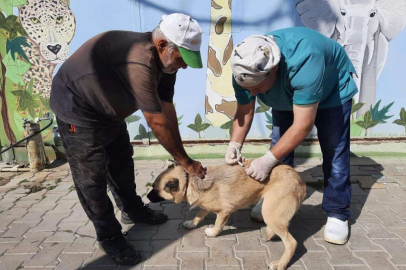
(221,220)
(190,224)
(277,213)
(269,233)
(290,247)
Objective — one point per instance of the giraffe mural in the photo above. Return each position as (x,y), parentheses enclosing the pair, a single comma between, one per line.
(220,101)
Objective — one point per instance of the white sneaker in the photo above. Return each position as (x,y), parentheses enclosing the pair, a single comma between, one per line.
(336,231)
(256,212)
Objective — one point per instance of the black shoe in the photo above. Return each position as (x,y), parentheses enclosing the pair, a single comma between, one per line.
(120,250)
(144,215)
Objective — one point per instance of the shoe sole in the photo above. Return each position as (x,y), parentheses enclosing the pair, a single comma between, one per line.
(336,242)
(129,221)
(136,261)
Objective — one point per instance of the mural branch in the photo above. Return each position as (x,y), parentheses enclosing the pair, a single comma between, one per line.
(4,110)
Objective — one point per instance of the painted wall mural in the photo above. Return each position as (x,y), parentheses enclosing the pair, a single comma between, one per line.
(204,98)
(364,29)
(220,102)
(32,43)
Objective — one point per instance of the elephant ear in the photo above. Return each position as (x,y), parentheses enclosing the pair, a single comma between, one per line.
(320,15)
(392,17)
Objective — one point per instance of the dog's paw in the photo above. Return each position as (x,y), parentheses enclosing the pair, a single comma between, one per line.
(189,224)
(210,232)
(276,266)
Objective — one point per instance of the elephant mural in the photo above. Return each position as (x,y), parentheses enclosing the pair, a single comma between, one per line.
(363,28)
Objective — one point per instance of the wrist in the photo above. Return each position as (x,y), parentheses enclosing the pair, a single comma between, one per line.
(236,145)
(184,162)
(270,157)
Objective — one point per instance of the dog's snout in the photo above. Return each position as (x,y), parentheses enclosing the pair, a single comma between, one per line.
(154,197)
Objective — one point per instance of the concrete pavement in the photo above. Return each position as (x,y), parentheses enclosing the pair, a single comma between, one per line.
(42,225)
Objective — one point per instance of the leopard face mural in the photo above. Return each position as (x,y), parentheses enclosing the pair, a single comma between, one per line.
(50,26)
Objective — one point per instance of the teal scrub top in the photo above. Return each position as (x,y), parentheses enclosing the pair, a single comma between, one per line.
(312,68)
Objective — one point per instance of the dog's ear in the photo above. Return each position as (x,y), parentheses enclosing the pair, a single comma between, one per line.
(172,186)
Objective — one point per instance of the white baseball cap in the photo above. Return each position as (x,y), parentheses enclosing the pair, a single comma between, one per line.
(253,58)
(186,34)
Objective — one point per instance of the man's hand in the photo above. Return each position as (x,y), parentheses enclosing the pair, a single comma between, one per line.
(233,153)
(194,168)
(261,167)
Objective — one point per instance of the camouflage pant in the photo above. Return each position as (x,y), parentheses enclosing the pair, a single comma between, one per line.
(99,157)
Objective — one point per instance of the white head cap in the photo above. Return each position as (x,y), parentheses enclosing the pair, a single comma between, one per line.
(253,58)
(186,34)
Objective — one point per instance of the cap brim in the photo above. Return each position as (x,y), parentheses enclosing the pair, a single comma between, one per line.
(191,58)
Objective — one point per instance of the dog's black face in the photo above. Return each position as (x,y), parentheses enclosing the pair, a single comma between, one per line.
(154,197)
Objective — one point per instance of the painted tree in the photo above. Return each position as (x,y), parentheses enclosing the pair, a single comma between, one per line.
(14,62)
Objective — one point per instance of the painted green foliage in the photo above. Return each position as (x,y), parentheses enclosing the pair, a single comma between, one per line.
(17,96)
(263,108)
(179,120)
(269,122)
(380,115)
(355,129)
(229,126)
(198,125)
(15,46)
(142,131)
(402,120)
(14,94)
(26,101)
(372,117)
(144,134)
(7,5)
(132,118)
(367,122)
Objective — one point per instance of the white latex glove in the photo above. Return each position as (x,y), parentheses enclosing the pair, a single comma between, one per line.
(261,167)
(233,153)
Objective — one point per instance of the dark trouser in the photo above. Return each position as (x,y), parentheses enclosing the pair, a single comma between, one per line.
(99,157)
(333,131)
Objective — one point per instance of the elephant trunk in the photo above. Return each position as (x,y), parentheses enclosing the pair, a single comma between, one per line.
(355,43)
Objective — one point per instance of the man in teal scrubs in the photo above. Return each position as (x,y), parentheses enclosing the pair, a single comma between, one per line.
(307,80)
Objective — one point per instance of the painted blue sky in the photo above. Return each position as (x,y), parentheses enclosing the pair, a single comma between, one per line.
(249,17)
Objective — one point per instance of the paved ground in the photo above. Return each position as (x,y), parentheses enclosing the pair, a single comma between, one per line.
(42,225)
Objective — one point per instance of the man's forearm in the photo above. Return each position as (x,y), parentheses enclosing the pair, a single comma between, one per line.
(304,117)
(242,122)
(241,129)
(289,141)
(170,113)
(163,130)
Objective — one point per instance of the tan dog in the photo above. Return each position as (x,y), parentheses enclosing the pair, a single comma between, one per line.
(226,189)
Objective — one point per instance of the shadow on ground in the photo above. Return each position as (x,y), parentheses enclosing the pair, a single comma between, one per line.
(169,245)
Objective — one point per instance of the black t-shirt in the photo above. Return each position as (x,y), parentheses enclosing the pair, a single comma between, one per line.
(110,77)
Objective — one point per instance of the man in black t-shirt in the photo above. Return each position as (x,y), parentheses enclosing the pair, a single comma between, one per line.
(107,79)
